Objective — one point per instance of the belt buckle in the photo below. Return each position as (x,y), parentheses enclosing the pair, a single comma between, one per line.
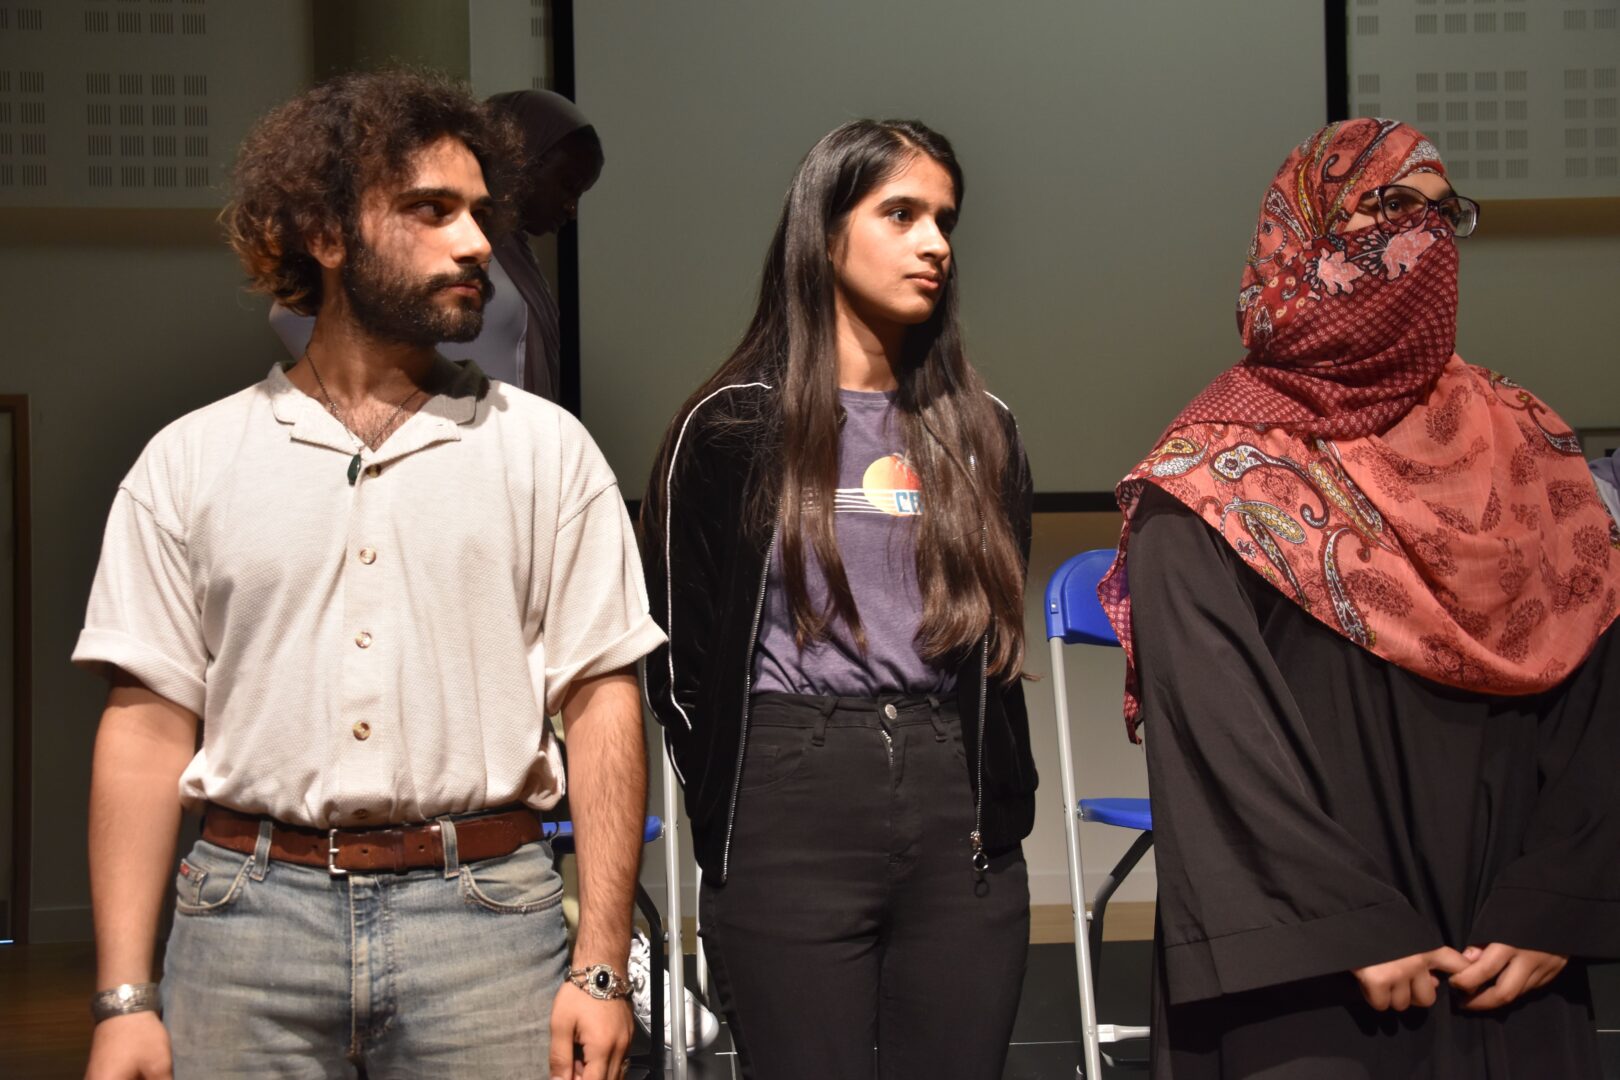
(331,855)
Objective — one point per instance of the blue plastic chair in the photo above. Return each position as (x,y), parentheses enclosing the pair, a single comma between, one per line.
(561,834)
(1074,616)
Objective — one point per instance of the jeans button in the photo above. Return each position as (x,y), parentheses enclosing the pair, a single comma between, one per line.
(890,711)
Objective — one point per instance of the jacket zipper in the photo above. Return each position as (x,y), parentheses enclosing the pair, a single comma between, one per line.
(981,861)
(747,708)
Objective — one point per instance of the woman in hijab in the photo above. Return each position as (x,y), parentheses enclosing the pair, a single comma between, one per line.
(1365,590)
(520,341)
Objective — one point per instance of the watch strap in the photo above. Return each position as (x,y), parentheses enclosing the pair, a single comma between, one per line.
(601,982)
(123,999)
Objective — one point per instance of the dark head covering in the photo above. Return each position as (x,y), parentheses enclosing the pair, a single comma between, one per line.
(545,117)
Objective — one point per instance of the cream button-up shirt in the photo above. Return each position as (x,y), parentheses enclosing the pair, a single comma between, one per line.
(382,651)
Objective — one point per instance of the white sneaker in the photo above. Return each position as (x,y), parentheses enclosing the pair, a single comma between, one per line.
(702,1028)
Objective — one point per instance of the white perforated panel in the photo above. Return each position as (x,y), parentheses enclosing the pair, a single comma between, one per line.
(508,42)
(1519,96)
(138,103)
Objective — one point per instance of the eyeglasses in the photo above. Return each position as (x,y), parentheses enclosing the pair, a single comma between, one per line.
(1406,207)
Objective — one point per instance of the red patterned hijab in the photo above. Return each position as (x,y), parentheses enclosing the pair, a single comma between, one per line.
(1431,512)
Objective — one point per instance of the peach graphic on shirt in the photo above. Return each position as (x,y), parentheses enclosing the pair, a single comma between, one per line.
(891,485)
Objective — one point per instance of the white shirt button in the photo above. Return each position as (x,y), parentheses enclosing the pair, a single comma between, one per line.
(363,639)
(368,556)
(362,730)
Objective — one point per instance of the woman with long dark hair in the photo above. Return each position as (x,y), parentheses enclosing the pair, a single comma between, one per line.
(837,531)
(1367,590)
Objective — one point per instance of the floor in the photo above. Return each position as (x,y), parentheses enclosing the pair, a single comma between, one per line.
(45,1026)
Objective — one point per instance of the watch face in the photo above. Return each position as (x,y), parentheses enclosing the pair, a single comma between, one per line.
(599,980)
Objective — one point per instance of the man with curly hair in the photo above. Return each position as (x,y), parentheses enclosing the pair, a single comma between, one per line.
(367,580)
(520,342)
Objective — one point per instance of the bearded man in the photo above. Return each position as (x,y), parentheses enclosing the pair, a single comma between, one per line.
(368,580)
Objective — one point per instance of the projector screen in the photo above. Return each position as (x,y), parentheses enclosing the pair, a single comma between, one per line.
(1115,155)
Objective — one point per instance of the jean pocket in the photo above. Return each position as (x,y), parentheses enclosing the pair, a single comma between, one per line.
(515,884)
(774,756)
(210,879)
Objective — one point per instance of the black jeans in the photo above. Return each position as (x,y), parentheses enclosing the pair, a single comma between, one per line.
(852,917)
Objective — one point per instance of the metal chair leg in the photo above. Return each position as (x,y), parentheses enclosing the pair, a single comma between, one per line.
(1077,892)
(1099,904)
(672,883)
(702,960)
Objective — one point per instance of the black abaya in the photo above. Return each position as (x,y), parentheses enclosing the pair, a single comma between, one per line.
(1317,809)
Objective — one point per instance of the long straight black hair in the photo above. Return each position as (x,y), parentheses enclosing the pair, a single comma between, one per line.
(969,569)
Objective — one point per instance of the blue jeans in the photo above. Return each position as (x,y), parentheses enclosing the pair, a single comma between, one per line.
(280,970)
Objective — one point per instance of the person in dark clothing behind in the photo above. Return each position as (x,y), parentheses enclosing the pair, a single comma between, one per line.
(565,156)
(837,529)
(1366,590)
(519,343)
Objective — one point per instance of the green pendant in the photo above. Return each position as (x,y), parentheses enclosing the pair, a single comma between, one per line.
(354,469)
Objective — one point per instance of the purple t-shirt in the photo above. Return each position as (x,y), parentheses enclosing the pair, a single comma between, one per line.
(875,514)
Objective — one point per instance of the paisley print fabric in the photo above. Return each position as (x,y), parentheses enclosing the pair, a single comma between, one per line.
(1433,512)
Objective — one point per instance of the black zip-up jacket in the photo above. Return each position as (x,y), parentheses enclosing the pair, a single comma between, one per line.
(706,572)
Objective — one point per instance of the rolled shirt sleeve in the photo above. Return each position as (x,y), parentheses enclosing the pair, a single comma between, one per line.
(595,616)
(143,615)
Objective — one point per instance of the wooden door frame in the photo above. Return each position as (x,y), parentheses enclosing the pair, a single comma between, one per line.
(22,743)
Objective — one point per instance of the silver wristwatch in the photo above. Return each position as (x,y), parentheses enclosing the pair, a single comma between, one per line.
(601,982)
(124,999)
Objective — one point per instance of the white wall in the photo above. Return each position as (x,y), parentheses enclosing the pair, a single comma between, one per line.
(1115,156)
(116,323)
(1540,307)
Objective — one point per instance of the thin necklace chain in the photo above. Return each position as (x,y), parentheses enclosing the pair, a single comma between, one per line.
(342,418)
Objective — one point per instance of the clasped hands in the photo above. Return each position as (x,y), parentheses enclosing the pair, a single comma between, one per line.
(1400,984)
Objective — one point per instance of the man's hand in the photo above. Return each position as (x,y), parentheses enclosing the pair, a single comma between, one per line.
(133,1047)
(1516,971)
(1400,984)
(607,792)
(601,1029)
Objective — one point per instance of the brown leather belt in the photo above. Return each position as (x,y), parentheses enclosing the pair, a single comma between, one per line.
(387,849)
